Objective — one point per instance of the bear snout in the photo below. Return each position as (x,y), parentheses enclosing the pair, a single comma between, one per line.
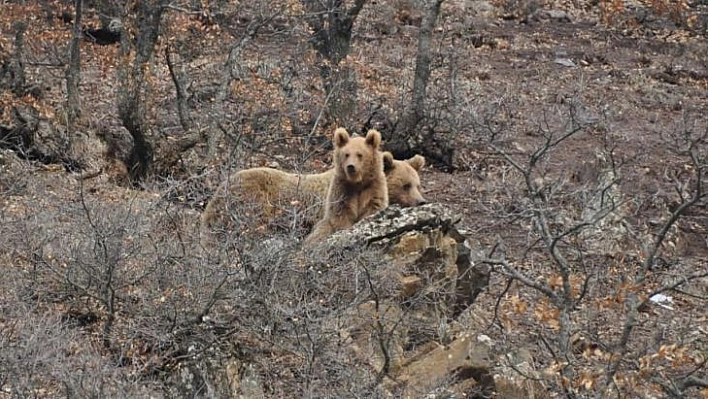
(422,201)
(351,169)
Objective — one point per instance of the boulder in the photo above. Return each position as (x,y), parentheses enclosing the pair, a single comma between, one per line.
(458,367)
(409,335)
(431,253)
(435,261)
(425,337)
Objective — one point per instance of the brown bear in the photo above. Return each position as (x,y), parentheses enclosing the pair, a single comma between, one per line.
(358,188)
(270,193)
(403,180)
(273,190)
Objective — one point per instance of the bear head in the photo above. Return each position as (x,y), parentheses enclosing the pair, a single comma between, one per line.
(403,180)
(357,159)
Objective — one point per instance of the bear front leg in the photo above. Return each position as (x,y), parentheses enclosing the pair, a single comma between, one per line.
(343,219)
(322,230)
(374,205)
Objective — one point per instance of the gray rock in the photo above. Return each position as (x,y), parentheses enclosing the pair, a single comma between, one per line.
(438,279)
(483,9)
(388,226)
(425,333)
(565,62)
(557,16)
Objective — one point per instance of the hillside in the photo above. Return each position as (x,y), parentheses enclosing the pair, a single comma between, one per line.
(571,137)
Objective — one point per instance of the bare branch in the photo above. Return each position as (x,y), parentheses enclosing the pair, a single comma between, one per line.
(673,286)
(511,271)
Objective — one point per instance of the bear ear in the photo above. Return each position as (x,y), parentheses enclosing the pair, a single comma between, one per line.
(417,162)
(373,138)
(341,137)
(387,161)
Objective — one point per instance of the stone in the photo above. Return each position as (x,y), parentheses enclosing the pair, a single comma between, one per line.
(424,337)
(481,9)
(463,359)
(388,226)
(542,15)
(214,376)
(438,279)
(516,377)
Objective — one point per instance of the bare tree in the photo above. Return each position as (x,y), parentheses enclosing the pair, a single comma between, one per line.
(416,109)
(181,82)
(691,192)
(148,154)
(561,236)
(73,71)
(132,107)
(412,134)
(332,22)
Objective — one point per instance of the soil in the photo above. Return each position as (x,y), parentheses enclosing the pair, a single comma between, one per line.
(516,72)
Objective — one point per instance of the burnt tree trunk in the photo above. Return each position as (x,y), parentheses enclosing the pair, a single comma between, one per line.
(73,72)
(133,89)
(412,135)
(332,22)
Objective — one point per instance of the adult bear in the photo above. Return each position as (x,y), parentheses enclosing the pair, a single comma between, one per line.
(358,188)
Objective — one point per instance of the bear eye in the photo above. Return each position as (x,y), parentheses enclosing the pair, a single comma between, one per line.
(407,186)
(359,155)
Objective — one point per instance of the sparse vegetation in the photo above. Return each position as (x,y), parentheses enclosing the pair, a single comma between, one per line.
(571,137)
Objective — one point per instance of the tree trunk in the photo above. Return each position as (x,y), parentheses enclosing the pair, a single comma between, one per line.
(332,23)
(73,72)
(416,111)
(16,68)
(131,97)
(178,78)
(410,136)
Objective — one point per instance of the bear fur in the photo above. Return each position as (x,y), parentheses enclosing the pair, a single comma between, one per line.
(272,190)
(358,188)
(271,193)
(403,181)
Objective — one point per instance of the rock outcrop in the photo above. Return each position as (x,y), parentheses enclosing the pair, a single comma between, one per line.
(426,351)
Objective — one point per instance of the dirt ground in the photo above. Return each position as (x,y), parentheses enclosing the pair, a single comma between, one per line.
(633,84)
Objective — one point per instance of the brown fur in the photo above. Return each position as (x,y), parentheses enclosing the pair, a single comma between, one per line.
(267,188)
(403,180)
(358,188)
(269,191)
